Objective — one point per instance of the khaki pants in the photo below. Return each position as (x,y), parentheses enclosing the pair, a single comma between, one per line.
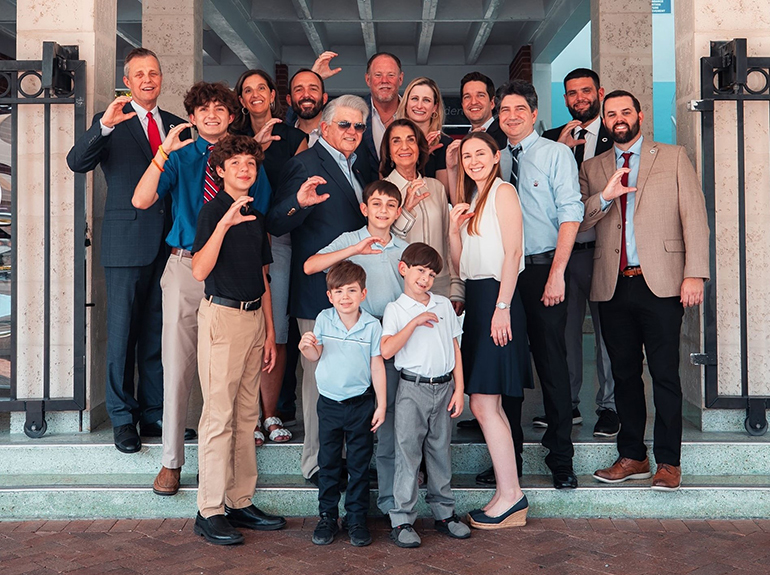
(309,462)
(230,351)
(182,294)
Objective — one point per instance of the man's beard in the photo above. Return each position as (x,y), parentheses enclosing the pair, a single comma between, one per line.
(304,113)
(588,114)
(631,133)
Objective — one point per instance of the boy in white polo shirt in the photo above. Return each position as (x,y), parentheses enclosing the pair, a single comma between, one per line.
(346,344)
(421,329)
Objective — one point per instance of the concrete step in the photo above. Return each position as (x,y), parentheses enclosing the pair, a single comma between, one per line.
(724,457)
(131,496)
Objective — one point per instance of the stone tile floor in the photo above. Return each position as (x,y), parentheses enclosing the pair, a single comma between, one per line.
(553,546)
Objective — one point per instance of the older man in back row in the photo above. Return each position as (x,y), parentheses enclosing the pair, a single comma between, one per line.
(317,200)
(650,262)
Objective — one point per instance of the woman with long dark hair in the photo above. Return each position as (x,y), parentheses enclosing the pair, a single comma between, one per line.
(260,118)
(487,244)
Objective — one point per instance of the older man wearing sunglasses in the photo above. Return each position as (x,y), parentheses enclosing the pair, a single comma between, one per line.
(318,199)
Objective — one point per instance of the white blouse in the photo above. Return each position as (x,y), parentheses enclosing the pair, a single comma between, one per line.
(483,254)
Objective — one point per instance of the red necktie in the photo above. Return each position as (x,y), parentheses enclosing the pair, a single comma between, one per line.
(623,204)
(153,134)
(210,188)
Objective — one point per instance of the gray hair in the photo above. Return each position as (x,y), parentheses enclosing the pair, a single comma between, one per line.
(139,53)
(346,101)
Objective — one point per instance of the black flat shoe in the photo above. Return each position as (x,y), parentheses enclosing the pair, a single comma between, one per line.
(217,530)
(252,518)
(126,438)
(564,478)
(156,430)
(516,516)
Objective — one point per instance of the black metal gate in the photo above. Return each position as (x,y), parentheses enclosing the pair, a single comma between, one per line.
(728,74)
(60,80)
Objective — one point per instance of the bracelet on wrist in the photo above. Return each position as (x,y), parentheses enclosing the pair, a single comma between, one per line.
(163,153)
(157,165)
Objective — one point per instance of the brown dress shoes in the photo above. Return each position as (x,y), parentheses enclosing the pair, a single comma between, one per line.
(667,477)
(167,481)
(623,469)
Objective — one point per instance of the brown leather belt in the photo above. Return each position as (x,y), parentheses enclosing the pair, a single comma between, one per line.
(181,252)
(630,272)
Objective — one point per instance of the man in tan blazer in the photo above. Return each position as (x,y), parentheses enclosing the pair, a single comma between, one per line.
(650,262)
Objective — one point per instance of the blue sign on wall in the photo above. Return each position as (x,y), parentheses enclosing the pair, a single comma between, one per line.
(661,6)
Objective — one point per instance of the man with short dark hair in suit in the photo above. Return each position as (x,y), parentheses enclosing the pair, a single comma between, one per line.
(652,257)
(586,135)
(317,200)
(122,140)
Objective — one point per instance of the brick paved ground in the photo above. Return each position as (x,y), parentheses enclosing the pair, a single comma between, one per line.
(552,546)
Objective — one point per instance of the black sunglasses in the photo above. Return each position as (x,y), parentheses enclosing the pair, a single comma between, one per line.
(358,126)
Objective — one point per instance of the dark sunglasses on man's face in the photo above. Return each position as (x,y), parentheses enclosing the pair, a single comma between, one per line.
(358,126)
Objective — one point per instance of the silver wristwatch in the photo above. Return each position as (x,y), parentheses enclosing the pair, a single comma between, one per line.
(503,305)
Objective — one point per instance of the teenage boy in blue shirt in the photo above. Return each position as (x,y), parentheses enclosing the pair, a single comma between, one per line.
(179,169)
(346,344)
(378,251)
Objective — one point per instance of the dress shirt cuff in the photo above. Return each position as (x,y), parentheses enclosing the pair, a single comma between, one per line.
(105,130)
(404,223)
(604,203)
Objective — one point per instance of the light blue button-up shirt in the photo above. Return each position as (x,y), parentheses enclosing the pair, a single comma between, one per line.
(633,175)
(383,282)
(548,190)
(344,369)
(346,165)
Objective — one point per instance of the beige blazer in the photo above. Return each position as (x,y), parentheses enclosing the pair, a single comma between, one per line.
(670,224)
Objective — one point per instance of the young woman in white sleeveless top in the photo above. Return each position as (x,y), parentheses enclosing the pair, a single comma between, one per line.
(487,245)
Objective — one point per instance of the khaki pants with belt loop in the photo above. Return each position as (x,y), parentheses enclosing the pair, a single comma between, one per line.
(230,352)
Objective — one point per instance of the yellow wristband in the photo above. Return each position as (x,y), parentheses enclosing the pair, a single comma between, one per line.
(163,153)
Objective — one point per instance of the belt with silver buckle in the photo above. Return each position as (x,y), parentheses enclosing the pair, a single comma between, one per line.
(234,303)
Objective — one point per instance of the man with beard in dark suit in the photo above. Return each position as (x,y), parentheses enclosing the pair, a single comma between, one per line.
(123,140)
(587,137)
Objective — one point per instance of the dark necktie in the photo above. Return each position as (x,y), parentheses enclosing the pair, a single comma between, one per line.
(515,151)
(580,149)
(210,188)
(153,134)
(623,204)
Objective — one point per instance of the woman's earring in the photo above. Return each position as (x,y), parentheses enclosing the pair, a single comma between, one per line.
(244,111)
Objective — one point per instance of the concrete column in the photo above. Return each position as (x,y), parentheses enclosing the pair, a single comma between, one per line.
(173,29)
(90,24)
(541,79)
(621,49)
(697,23)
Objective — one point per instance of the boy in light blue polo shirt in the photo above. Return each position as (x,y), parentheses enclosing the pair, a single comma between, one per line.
(346,344)
(378,251)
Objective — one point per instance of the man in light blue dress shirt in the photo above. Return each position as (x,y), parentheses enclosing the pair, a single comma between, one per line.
(545,176)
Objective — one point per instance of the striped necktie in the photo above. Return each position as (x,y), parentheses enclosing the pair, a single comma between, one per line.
(515,151)
(210,188)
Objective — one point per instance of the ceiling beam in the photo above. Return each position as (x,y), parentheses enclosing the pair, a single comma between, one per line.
(367,26)
(212,46)
(480,31)
(315,35)
(427,25)
(559,26)
(254,43)
(126,33)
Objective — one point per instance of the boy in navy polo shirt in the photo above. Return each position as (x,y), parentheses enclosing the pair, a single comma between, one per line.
(378,251)
(346,344)
(421,329)
(236,343)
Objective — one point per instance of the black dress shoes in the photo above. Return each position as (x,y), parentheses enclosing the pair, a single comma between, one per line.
(486,477)
(126,438)
(217,530)
(564,478)
(156,430)
(252,518)
(468,424)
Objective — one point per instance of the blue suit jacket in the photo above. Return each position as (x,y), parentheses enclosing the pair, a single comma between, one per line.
(130,237)
(315,227)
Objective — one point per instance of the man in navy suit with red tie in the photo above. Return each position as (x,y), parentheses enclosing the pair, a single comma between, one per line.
(123,140)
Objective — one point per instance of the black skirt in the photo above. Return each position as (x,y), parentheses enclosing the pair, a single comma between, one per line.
(488,368)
